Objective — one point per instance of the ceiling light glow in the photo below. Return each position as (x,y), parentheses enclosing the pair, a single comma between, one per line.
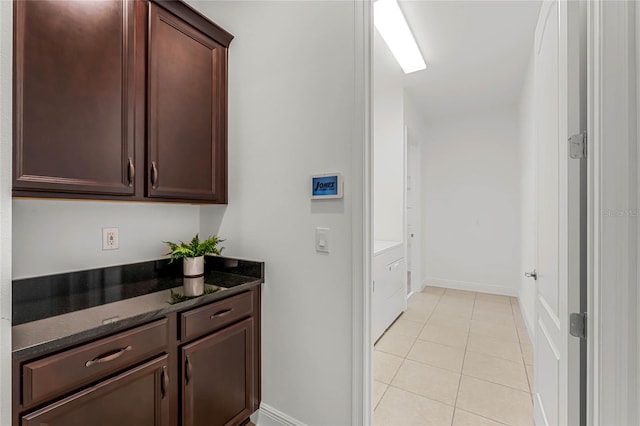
(392,26)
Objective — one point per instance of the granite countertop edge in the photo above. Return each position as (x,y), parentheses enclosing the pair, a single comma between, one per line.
(44,346)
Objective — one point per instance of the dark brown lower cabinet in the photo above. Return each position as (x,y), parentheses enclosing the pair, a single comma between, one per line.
(138,396)
(195,367)
(213,371)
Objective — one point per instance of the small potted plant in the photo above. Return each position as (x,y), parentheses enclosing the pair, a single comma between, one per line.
(192,254)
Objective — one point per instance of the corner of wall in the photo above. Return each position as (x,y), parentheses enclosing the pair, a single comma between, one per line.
(269,416)
(211,219)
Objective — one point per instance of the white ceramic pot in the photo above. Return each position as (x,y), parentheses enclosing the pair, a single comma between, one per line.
(193,286)
(193,266)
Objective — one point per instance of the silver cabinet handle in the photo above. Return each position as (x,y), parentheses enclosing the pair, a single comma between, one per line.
(165,381)
(221,313)
(154,175)
(108,357)
(187,370)
(132,172)
(533,274)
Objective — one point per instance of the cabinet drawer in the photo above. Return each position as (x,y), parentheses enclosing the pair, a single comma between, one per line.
(66,371)
(135,397)
(212,317)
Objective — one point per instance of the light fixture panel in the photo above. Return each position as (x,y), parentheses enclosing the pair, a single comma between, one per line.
(393,28)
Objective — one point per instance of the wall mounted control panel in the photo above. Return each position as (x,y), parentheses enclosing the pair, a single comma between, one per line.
(326,186)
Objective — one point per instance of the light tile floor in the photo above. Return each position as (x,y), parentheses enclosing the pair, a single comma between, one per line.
(454,358)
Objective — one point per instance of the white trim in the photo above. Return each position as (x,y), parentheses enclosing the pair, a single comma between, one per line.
(613,249)
(528,322)
(593,216)
(549,339)
(269,416)
(361,229)
(405,218)
(538,412)
(6,145)
(637,72)
(472,286)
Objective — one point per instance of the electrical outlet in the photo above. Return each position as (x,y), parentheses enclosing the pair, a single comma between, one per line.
(110,240)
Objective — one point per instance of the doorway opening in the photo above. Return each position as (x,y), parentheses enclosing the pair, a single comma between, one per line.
(487,187)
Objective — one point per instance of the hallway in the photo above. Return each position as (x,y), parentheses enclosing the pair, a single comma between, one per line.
(454,358)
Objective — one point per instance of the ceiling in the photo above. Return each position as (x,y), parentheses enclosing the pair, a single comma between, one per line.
(476,52)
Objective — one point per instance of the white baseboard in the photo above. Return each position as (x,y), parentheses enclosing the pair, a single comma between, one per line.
(528,321)
(471,286)
(269,416)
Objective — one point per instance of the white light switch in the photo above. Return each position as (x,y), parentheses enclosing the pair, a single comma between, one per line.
(322,240)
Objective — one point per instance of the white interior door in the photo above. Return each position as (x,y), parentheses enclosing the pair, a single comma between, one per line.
(556,381)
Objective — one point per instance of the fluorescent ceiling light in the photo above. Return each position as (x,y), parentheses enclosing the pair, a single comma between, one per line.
(393,28)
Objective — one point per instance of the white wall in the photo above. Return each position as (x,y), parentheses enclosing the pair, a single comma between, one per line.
(471,199)
(292,109)
(291,114)
(6,26)
(528,222)
(388,144)
(54,236)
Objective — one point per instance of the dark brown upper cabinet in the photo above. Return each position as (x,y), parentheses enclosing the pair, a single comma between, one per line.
(119,99)
(74,97)
(187,132)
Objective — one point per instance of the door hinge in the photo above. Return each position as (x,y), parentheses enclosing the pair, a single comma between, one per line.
(578,325)
(578,145)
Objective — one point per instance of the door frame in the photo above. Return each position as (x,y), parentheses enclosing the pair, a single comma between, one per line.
(6,164)
(610,397)
(417,284)
(361,218)
(612,327)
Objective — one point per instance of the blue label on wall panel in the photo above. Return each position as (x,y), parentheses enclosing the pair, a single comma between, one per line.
(325,186)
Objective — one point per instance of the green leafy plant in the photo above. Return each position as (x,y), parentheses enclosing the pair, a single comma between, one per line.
(195,248)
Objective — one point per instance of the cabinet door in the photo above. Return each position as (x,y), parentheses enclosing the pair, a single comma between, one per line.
(137,397)
(217,372)
(187,136)
(74,96)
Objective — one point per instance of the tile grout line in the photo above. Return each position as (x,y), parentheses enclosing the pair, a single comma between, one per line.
(381,396)
(485,417)
(488,381)
(422,396)
(465,350)
(464,356)
(405,357)
(416,339)
(496,383)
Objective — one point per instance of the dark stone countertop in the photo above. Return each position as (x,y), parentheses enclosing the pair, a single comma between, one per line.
(56,311)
